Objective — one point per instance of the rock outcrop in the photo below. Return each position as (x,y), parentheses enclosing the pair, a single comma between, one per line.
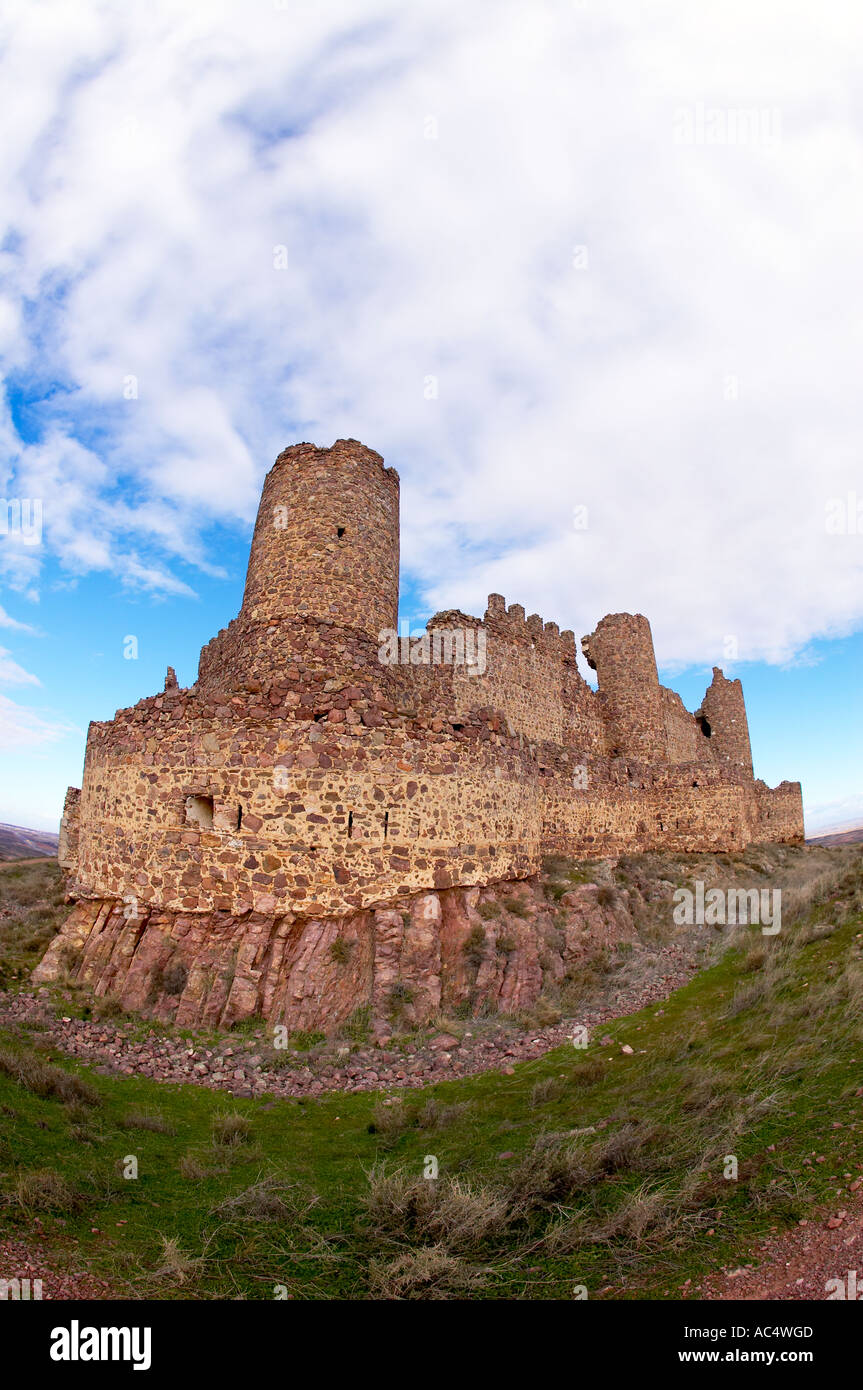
(483,949)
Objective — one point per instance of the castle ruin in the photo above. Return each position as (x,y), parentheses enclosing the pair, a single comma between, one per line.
(318,817)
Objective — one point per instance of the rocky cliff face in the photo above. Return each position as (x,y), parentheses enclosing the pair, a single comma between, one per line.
(460,949)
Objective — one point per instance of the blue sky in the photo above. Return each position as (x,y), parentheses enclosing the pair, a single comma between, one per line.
(588,256)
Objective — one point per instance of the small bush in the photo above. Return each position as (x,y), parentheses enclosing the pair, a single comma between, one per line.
(516,907)
(389,1122)
(434,1115)
(341,950)
(147,1119)
(231,1129)
(268,1199)
(45,1190)
(191,1168)
(445,1211)
(304,1040)
(473,948)
(549,1088)
(430,1272)
(489,910)
(108,1007)
(174,977)
(356,1026)
(44,1079)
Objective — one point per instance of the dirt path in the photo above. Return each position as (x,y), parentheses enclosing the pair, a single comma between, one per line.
(800,1264)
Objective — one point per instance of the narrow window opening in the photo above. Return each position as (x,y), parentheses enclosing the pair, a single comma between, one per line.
(340,531)
(239,817)
(386,823)
(199,811)
(350,825)
(458,727)
(704,725)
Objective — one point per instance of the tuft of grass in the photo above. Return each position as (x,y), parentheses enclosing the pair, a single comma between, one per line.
(473,947)
(44,1079)
(148,1119)
(461,1216)
(516,907)
(47,1190)
(430,1272)
(230,1129)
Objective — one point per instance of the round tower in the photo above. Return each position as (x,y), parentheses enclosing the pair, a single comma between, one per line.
(621,653)
(326,541)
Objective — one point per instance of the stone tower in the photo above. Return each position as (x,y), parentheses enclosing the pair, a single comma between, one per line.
(722,718)
(326,541)
(620,650)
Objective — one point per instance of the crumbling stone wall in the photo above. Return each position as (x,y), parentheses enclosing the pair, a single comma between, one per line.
(722,717)
(67,841)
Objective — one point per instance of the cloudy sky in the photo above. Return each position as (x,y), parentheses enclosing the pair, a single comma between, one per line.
(588,274)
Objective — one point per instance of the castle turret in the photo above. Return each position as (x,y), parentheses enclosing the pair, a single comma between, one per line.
(722,719)
(621,652)
(326,541)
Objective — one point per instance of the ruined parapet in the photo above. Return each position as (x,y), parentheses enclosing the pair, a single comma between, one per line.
(326,540)
(512,623)
(67,841)
(722,719)
(620,650)
(780,813)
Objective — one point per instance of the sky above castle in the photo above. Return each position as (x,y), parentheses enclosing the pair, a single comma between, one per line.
(583,272)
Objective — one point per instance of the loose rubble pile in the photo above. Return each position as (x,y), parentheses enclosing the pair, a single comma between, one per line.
(247,1066)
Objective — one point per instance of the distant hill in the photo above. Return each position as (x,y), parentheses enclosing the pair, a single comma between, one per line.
(853,836)
(18,843)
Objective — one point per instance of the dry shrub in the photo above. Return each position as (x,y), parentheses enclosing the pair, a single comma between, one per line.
(449,1212)
(45,1190)
(230,1129)
(431,1272)
(44,1079)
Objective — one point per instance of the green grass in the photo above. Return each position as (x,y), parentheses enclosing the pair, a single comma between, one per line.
(586,1166)
(31,910)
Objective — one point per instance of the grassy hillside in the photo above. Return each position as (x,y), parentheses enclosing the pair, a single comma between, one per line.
(593,1167)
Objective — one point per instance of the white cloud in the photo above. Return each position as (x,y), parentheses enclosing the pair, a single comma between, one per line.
(24,728)
(694,385)
(13,674)
(6,620)
(830,817)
